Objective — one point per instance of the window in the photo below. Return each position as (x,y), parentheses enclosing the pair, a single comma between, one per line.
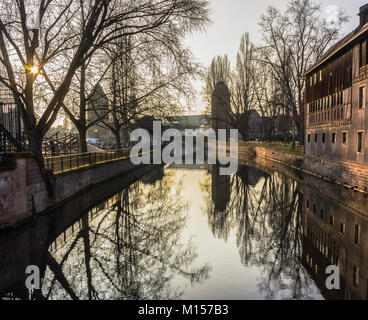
(323,138)
(314,209)
(322,214)
(309,138)
(307,204)
(342,228)
(315,78)
(333,139)
(332,220)
(362,97)
(360,142)
(355,276)
(316,138)
(311,81)
(357,234)
(320,76)
(344,137)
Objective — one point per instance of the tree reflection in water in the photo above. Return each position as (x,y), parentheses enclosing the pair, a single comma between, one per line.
(130,250)
(265,213)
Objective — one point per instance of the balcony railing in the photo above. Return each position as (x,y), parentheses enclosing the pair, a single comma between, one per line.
(338,114)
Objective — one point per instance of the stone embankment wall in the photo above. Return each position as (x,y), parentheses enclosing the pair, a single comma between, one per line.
(292,160)
(23,192)
(350,175)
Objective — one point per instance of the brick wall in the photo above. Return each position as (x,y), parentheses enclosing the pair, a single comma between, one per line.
(278,156)
(23,191)
(33,173)
(347,173)
(13,194)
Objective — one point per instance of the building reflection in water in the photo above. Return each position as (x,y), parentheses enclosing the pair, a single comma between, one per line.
(335,234)
(293,228)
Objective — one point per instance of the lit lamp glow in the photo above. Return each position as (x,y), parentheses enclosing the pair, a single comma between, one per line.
(34,69)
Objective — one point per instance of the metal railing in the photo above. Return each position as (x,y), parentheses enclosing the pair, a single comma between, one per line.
(11,137)
(284,147)
(71,162)
(279,146)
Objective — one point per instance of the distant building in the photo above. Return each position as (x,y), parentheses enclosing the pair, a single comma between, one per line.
(187,122)
(255,126)
(221,110)
(98,106)
(267,128)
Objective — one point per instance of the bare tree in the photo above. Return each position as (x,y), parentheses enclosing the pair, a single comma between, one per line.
(243,88)
(149,79)
(239,82)
(77,30)
(293,41)
(219,71)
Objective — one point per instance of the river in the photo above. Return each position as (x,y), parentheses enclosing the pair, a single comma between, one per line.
(186,232)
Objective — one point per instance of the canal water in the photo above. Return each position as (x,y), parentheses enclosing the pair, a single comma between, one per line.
(186,232)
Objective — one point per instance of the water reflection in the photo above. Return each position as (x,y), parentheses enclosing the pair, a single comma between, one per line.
(188,233)
(335,234)
(130,250)
(265,212)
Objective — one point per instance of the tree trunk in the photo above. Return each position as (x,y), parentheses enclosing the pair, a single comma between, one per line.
(83,139)
(35,146)
(117,140)
(301,132)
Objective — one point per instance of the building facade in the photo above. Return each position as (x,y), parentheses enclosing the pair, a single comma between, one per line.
(336,110)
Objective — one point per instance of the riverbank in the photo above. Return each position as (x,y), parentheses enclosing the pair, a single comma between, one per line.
(348,175)
(24,195)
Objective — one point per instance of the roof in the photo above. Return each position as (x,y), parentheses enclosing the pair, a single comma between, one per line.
(338,46)
(190,121)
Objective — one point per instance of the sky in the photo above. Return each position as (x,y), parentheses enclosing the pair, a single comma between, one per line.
(231,18)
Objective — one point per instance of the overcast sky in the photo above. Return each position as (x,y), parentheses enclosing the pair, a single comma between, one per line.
(231,18)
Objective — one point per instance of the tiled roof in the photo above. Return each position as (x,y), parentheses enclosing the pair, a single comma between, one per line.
(338,46)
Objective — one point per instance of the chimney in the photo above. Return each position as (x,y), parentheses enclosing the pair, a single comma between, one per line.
(363,15)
